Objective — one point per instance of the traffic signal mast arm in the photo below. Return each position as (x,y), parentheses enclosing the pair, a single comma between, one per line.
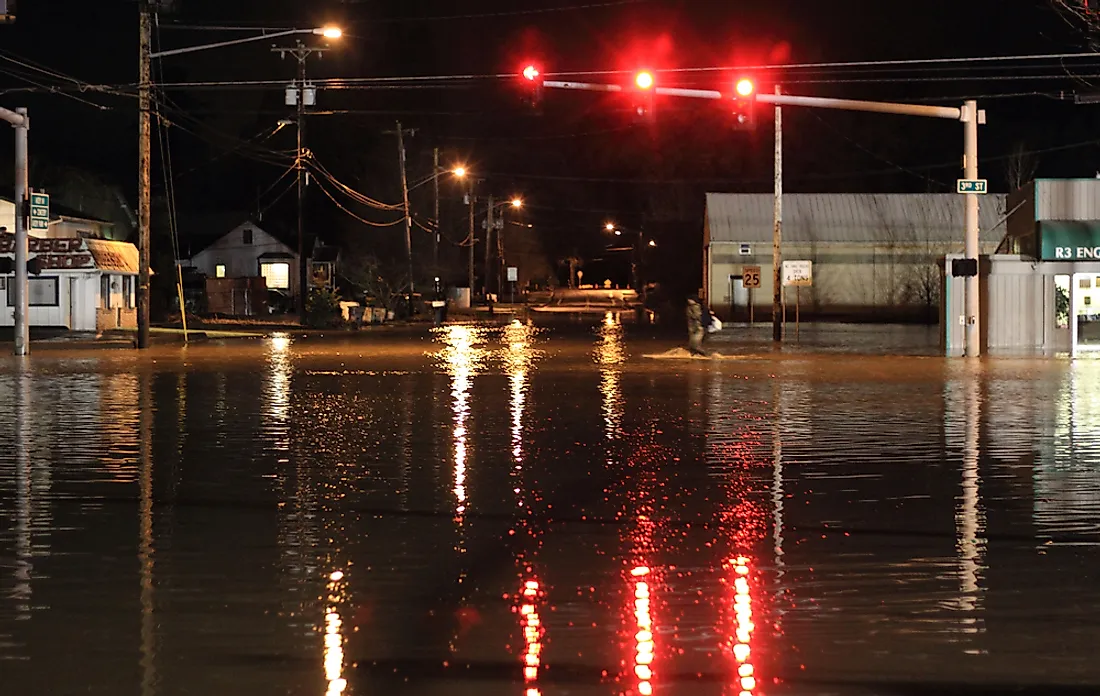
(946,112)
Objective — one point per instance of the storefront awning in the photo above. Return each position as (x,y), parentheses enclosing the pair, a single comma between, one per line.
(1069,240)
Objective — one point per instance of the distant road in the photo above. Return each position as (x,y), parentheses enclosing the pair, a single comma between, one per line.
(566,300)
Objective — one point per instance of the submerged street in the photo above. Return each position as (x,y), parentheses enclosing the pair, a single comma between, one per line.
(545,510)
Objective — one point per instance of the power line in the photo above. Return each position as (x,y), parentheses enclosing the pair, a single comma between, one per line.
(230,26)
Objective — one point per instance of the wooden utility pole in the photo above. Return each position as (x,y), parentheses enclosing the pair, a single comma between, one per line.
(488,247)
(438,224)
(304,95)
(144,168)
(471,241)
(408,215)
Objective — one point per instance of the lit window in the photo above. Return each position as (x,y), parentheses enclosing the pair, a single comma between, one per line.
(277,275)
(219,270)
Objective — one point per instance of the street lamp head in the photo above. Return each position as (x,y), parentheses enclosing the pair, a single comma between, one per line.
(652,243)
(329,32)
(618,233)
(460,172)
(517,202)
(610,227)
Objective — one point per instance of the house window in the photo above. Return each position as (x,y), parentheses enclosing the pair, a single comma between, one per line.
(219,270)
(246,235)
(105,291)
(277,275)
(42,292)
(127,292)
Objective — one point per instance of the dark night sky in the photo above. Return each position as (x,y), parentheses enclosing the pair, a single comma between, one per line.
(584,160)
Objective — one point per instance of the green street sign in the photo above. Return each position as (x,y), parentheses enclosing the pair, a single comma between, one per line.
(40,211)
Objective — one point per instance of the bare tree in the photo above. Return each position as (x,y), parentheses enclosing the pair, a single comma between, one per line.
(384,282)
(1020,168)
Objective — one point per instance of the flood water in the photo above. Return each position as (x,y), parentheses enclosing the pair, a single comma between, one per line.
(539,511)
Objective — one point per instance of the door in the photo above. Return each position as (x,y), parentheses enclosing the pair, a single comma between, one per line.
(74,312)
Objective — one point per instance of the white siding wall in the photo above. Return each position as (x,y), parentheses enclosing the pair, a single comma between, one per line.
(1067,199)
(1016,315)
(76,312)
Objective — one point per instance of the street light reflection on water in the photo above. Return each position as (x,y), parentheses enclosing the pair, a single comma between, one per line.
(616,524)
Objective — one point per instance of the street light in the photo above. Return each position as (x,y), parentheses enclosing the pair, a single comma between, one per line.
(460,172)
(517,202)
(652,243)
(327,32)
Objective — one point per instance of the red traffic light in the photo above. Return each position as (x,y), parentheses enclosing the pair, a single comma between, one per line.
(745,87)
(531,73)
(644,80)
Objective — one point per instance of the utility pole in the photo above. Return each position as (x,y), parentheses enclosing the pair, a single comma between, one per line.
(22,123)
(970,119)
(303,277)
(488,247)
(472,240)
(408,215)
(777,230)
(438,223)
(300,95)
(144,168)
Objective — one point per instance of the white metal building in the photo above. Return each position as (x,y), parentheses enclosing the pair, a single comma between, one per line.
(85,284)
(874,255)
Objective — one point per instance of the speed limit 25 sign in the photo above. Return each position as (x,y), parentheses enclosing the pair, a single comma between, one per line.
(750,277)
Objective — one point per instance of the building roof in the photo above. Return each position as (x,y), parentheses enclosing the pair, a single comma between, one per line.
(116,257)
(76,253)
(850,217)
(200,231)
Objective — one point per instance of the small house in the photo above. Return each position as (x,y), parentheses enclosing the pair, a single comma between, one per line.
(250,251)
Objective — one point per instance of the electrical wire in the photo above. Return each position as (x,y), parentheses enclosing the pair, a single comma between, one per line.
(164,139)
(312,162)
(229,26)
(354,215)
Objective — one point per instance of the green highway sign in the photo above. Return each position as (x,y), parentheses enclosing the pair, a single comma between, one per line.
(972,186)
(40,211)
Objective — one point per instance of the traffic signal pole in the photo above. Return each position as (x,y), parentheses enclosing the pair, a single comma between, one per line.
(968,114)
(21,121)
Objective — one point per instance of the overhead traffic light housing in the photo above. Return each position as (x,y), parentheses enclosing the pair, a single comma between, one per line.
(643,94)
(532,87)
(744,104)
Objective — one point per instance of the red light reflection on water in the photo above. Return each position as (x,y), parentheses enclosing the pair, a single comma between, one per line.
(532,636)
(643,651)
(740,643)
